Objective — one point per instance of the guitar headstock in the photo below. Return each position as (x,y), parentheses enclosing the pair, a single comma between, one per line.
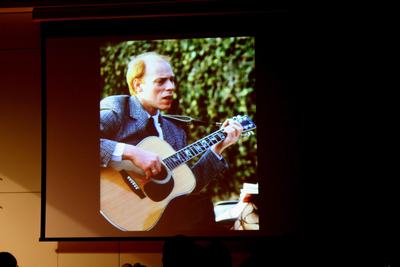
(247,124)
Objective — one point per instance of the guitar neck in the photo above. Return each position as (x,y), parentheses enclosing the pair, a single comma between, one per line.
(193,150)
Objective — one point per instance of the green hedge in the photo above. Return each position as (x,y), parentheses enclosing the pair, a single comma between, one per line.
(216,80)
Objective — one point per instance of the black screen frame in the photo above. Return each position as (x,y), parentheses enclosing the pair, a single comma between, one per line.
(276,116)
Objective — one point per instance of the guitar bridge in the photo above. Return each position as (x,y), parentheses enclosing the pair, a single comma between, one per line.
(132,184)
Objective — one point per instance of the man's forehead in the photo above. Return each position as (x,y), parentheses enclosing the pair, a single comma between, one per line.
(159,67)
(154,60)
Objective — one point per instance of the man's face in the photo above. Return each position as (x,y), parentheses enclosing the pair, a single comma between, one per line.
(157,86)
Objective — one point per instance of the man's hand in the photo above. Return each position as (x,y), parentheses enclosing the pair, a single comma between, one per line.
(233,130)
(149,162)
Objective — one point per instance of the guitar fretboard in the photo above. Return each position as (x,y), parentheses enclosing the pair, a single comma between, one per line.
(191,151)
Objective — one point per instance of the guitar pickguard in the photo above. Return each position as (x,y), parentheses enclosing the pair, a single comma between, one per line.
(158,192)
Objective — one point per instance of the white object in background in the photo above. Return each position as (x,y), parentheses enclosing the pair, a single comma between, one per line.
(236,209)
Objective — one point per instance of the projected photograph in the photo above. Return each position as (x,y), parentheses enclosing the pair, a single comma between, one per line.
(178,142)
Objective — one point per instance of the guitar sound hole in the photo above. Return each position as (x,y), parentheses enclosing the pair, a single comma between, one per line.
(158,192)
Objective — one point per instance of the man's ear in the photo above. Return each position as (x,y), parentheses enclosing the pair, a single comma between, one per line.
(137,85)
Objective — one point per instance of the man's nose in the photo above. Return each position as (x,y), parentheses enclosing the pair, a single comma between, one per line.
(170,85)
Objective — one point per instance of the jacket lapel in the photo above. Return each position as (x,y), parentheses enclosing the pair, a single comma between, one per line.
(169,133)
(137,112)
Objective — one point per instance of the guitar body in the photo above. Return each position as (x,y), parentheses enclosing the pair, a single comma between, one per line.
(129,211)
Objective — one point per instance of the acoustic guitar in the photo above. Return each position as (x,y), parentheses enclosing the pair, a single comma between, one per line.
(132,203)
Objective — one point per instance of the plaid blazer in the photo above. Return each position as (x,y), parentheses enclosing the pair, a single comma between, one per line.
(123,120)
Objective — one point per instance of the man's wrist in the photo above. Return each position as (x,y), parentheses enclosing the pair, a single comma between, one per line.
(118,151)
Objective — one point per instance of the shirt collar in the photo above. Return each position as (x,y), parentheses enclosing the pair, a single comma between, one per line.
(155,117)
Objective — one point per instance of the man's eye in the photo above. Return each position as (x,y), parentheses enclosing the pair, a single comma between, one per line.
(164,80)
